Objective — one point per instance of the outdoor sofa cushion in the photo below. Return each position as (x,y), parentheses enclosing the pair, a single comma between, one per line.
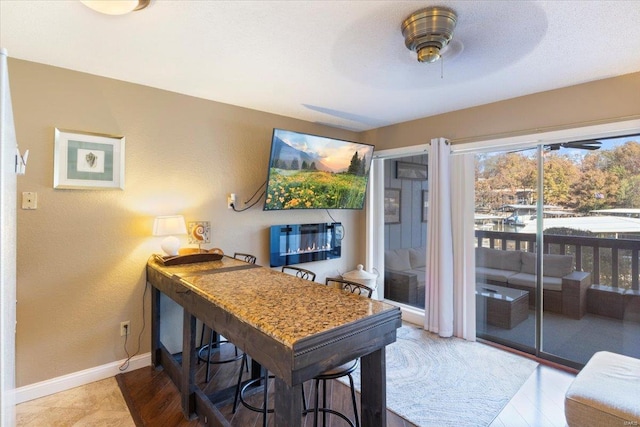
(529,280)
(498,259)
(553,265)
(418,258)
(397,259)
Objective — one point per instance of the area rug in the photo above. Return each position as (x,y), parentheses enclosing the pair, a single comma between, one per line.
(433,381)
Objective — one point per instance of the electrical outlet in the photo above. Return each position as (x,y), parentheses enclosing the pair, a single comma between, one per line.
(125,328)
(231,200)
(29,200)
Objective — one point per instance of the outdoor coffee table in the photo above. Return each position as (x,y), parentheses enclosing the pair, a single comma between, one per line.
(505,307)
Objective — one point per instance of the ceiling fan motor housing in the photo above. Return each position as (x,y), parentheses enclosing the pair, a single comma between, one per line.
(427,31)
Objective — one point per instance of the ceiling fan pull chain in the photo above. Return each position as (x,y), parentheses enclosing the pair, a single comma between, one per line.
(442,68)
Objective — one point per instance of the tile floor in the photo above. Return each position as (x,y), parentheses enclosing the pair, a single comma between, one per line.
(99,404)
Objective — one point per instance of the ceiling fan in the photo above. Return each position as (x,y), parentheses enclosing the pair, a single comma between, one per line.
(428,33)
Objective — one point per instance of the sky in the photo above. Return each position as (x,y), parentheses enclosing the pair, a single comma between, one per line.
(334,153)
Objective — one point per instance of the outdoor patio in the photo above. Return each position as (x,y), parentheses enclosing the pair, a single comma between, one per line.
(571,339)
(611,306)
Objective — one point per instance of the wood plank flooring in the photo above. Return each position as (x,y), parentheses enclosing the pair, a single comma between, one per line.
(539,402)
(154,400)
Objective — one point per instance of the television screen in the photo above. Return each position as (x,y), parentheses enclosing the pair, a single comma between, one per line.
(315,172)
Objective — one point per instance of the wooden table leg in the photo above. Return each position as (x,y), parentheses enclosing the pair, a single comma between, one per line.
(373,395)
(188,364)
(288,404)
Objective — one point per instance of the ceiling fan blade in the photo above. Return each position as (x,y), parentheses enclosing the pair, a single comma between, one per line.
(587,144)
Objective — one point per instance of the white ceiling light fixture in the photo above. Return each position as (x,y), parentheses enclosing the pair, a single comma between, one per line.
(428,31)
(116,7)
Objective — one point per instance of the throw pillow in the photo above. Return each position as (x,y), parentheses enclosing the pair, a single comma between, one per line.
(418,257)
(397,259)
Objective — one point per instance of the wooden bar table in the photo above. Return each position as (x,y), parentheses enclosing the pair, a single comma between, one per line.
(294,328)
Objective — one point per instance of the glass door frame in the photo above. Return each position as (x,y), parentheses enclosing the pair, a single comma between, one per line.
(374,256)
(374,249)
(537,141)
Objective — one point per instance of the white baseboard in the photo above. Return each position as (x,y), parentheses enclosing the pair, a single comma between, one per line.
(412,315)
(76,379)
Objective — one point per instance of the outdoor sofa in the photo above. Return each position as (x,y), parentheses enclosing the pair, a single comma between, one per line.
(404,275)
(564,289)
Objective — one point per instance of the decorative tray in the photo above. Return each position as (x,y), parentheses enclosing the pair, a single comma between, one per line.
(213,255)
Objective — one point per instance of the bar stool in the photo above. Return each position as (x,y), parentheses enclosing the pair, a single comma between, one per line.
(299,272)
(344,370)
(265,377)
(216,343)
(245,257)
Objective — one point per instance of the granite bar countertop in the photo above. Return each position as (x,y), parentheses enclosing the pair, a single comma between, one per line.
(282,306)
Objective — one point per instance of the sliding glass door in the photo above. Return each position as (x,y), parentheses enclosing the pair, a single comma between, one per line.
(591,249)
(557,248)
(505,200)
(405,229)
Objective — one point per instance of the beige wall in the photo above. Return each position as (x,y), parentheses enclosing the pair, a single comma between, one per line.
(603,100)
(82,253)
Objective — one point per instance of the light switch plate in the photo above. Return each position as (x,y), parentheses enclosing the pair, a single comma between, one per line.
(29,200)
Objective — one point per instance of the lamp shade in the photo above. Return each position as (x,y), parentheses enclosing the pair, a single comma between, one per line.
(170,226)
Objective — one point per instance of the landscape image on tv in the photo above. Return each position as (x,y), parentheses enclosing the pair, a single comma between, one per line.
(315,172)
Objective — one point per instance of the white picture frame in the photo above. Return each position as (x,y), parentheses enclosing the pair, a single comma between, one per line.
(86,160)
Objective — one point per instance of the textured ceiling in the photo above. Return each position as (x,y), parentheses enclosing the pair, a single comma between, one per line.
(341,63)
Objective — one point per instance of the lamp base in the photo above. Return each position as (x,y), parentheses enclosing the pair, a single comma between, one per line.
(170,245)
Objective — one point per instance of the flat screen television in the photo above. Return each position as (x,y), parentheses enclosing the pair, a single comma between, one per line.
(316,172)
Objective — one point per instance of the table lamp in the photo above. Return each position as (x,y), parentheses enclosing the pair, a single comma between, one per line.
(170,226)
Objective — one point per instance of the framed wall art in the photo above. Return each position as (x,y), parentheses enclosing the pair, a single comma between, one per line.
(199,232)
(391,205)
(85,160)
(406,170)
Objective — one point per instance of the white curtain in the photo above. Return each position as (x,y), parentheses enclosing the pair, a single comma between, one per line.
(463,206)
(450,277)
(7,248)
(438,312)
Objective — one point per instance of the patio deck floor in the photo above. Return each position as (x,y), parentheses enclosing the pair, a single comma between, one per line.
(572,339)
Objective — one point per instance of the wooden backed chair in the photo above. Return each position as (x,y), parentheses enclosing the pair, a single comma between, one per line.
(299,272)
(245,257)
(344,370)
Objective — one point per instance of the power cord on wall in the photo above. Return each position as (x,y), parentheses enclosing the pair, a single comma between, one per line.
(341,226)
(251,198)
(125,364)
